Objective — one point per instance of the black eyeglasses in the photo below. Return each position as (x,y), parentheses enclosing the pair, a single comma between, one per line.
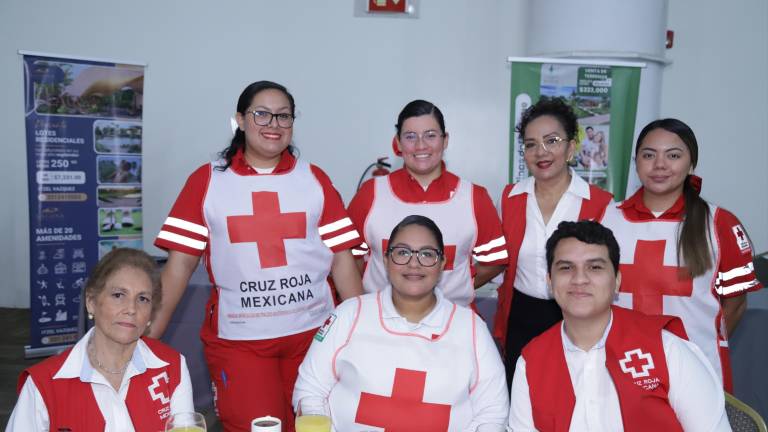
(402,255)
(264,118)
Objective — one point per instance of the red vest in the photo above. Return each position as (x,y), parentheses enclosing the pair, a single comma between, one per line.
(513,224)
(72,406)
(642,390)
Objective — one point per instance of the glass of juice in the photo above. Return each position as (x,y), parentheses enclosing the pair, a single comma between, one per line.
(313,415)
(185,422)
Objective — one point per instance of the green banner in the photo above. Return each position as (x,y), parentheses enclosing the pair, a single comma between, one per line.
(604,98)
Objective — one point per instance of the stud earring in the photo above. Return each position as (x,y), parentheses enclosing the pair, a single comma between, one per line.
(90,316)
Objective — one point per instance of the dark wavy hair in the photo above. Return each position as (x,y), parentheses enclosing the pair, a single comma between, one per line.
(419,108)
(693,238)
(555,107)
(246,97)
(589,232)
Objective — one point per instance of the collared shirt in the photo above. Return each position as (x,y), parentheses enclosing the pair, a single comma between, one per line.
(637,211)
(241,166)
(531,272)
(695,393)
(31,414)
(432,323)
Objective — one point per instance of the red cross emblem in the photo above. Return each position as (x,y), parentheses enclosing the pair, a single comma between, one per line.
(268,228)
(637,363)
(404,411)
(450,253)
(649,280)
(739,233)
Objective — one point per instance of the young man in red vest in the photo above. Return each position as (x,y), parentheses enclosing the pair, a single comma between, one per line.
(605,367)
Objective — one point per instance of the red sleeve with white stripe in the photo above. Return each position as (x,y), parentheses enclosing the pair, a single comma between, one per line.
(736,272)
(358,211)
(185,230)
(490,246)
(336,228)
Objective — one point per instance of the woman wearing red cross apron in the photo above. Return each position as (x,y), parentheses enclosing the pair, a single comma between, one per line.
(681,255)
(405,358)
(475,246)
(531,210)
(270,228)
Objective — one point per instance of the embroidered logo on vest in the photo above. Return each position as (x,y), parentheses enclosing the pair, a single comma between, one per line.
(155,384)
(634,359)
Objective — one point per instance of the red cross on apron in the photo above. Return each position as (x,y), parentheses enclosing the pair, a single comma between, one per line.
(649,280)
(268,228)
(404,411)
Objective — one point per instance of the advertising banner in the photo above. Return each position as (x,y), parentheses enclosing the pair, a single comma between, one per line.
(604,98)
(84,145)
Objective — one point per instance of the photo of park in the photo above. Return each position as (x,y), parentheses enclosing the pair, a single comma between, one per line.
(111,136)
(64,88)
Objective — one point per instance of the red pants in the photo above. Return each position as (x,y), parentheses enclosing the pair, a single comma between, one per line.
(255,378)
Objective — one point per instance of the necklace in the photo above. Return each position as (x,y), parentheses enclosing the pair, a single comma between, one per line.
(92,352)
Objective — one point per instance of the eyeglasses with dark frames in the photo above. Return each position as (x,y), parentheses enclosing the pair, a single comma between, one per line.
(264,118)
(402,255)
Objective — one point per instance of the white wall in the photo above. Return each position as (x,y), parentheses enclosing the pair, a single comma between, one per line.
(718,84)
(350,77)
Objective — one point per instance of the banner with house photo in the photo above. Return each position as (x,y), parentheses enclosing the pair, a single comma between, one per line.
(84,146)
(604,97)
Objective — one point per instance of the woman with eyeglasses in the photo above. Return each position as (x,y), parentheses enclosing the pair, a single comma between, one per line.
(463,211)
(271,228)
(681,255)
(531,211)
(406,358)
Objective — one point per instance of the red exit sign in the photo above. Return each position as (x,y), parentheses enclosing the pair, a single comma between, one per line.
(396,6)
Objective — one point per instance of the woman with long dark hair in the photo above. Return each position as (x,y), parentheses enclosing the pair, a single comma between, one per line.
(271,228)
(681,255)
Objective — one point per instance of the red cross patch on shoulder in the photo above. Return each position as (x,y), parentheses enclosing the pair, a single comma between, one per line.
(741,238)
(323,331)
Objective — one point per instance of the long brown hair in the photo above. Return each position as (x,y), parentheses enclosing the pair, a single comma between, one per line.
(693,240)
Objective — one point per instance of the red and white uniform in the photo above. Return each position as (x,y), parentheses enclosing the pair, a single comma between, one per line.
(380,371)
(527,236)
(654,283)
(640,376)
(268,242)
(65,392)
(464,212)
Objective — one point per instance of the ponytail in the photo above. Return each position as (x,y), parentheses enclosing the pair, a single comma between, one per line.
(694,240)
(237,143)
